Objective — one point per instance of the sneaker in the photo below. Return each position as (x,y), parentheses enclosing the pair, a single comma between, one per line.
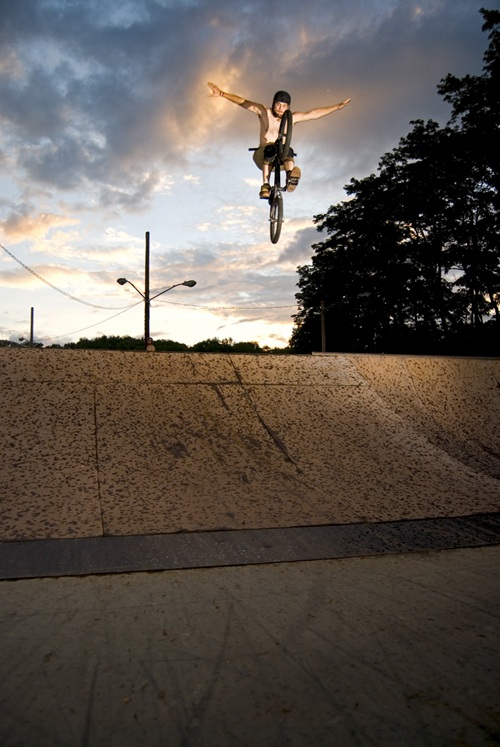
(264,191)
(292,178)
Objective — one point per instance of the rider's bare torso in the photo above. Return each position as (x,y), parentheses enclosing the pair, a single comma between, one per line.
(269,126)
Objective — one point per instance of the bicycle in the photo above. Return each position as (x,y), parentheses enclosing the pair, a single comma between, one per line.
(282,144)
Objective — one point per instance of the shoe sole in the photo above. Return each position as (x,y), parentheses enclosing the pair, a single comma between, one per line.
(293,179)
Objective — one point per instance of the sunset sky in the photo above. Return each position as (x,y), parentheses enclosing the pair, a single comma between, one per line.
(107,131)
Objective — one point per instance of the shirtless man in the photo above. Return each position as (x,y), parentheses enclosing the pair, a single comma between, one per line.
(269,129)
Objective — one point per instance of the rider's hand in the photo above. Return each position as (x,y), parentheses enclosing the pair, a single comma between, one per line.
(215,90)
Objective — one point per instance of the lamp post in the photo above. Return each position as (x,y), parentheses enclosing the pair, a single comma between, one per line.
(146,294)
(323,331)
(32,324)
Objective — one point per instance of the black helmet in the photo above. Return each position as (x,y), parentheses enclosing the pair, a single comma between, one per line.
(282,96)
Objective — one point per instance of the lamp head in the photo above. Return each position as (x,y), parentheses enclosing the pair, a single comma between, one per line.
(189,283)
(122,281)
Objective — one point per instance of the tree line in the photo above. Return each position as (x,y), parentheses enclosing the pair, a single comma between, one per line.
(411,262)
(125,342)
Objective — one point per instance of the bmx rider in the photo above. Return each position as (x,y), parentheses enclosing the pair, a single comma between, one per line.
(269,129)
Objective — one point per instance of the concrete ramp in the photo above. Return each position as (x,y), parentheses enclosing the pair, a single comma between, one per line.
(115,443)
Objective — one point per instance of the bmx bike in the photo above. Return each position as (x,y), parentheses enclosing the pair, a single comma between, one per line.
(282,146)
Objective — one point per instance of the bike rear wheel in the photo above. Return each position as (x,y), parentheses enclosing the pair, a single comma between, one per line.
(275,215)
(285,134)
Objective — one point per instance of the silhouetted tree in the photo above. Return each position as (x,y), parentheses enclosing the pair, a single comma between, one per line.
(212,345)
(411,262)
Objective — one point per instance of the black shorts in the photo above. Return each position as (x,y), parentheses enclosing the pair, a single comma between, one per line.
(266,154)
(270,153)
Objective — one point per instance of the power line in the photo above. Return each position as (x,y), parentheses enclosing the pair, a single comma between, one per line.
(92,325)
(247,308)
(103,321)
(73,298)
(171,303)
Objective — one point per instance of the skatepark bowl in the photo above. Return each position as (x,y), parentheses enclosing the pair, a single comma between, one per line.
(319,537)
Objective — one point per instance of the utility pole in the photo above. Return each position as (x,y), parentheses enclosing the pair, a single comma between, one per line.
(32,325)
(146,294)
(323,332)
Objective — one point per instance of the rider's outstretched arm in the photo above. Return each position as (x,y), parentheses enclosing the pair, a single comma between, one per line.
(317,113)
(250,105)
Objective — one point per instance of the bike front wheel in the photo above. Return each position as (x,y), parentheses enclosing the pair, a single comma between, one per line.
(276,216)
(285,134)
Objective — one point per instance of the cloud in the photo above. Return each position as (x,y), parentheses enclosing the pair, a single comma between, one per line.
(243,218)
(191,178)
(103,95)
(299,251)
(106,123)
(84,284)
(22,225)
(229,275)
(117,248)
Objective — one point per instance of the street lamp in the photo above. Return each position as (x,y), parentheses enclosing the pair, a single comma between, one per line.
(145,295)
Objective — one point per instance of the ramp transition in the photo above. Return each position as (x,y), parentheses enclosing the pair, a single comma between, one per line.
(99,443)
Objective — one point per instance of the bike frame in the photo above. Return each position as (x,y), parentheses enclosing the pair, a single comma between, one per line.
(275,195)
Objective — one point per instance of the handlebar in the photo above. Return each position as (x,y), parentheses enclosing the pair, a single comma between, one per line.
(296,154)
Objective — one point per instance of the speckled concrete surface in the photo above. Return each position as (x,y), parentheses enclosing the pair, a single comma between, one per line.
(453,402)
(394,651)
(123,443)
(49,484)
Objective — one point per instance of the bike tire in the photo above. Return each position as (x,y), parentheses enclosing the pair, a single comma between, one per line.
(284,140)
(276,216)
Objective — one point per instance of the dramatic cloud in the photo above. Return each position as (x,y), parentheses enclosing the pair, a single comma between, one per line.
(19,226)
(113,95)
(106,123)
